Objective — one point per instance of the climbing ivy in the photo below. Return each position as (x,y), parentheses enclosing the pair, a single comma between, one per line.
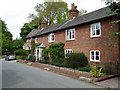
(56,51)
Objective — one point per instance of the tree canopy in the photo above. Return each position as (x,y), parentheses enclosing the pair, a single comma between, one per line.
(53,12)
(28,27)
(6,38)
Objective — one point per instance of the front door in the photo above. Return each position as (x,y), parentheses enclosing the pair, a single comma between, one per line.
(39,54)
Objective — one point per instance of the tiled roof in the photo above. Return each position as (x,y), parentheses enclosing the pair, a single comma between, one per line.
(95,15)
(92,16)
(32,33)
(49,29)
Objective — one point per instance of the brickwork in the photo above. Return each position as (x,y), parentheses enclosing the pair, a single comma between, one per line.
(106,43)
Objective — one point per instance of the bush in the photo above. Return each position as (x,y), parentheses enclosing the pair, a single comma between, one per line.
(87,69)
(74,60)
(32,47)
(18,57)
(21,52)
(45,54)
(96,72)
(44,61)
(31,58)
(58,64)
(56,51)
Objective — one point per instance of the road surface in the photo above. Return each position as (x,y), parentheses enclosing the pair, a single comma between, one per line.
(16,75)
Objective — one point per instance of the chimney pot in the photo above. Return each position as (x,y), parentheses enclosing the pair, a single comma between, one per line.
(73,12)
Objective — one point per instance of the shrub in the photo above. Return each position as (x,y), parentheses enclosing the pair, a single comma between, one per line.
(44,61)
(96,72)
(21,52)
(32,47)
(45,54)
(56,51)
(87,69)
(75,60)
(31,58)
(18,57)
(58,64)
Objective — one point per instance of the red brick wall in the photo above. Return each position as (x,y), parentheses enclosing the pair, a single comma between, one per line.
(106,43)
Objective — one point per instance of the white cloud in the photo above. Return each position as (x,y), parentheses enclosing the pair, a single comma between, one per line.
(15,12)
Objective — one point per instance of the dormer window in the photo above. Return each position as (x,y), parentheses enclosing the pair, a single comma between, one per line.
(51,37)
(70,34)
(95,30)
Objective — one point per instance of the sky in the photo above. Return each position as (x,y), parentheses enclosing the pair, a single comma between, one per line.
(15,12)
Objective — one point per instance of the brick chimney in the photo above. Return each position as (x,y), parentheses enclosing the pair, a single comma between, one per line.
(73,12)
(43,25)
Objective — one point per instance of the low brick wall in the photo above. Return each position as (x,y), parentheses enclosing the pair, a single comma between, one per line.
(66,71)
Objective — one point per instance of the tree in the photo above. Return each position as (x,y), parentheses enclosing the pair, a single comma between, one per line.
(53,12)
(16,44)
(6,38)
(28,27)
(82,11)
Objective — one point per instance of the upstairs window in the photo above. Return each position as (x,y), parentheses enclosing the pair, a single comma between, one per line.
(36,40)
(95,30)
(51,37)
(28,40)
(68,51)
(94,55)
(70,34)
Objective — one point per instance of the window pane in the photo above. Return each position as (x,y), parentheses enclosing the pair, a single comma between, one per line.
(97,57)
(70,36)
(92,57)
(72,33)
(97,26)
(97,52)
(92,53)
(52,37)
(93,29)
(67,34)
(98,32)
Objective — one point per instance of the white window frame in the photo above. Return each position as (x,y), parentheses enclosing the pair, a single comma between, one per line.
(28,40)
(94,55)
(36,40)
(68,33)
(50,37)
(91,30)
(68,50)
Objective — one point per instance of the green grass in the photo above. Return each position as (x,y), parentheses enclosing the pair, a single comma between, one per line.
(87,69)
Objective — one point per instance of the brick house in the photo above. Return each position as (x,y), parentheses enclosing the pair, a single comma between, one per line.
(89,33)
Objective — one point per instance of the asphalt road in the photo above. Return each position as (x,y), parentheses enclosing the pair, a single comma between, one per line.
(16,75)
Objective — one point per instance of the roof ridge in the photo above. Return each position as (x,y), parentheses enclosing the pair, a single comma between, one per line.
(93,11)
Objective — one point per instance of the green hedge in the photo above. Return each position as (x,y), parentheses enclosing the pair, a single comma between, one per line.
(21,52)
(45,52)
(75,60)
(87,69)
(56,51)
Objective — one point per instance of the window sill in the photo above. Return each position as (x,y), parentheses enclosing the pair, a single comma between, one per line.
(95,37)
(70,40)
(95,61)
(50,42)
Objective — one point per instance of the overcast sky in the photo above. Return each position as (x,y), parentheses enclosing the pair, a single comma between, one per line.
(15,12)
